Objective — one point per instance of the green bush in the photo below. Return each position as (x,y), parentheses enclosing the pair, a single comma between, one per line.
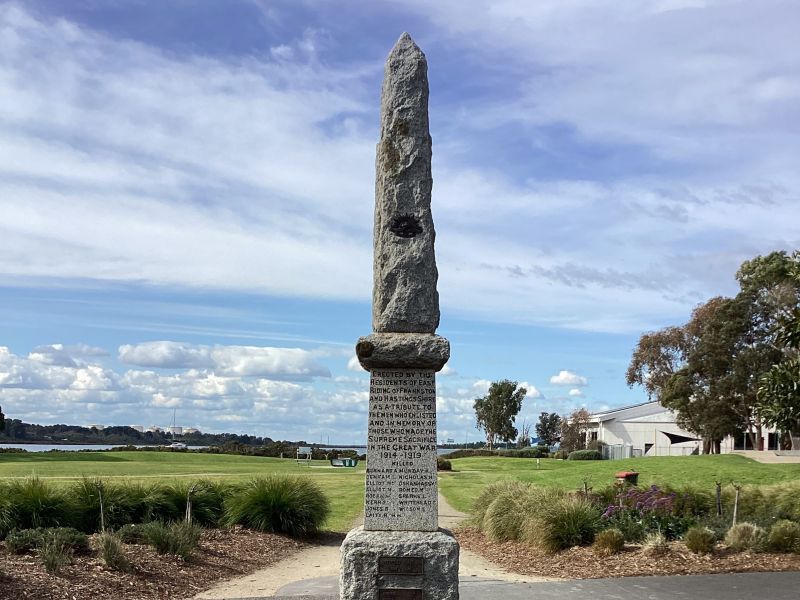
(493,491)
(563,523)
(506,515)
(608,542)
(531,452)
(207,501)
(132,533)
(784,536)
(585,455)
(745,536)
(25,540)
(110,549)
(699,540)
(281,504)
(655,544)
(442,464)
(54,554)
(30,503)
(180,538)
(560,454)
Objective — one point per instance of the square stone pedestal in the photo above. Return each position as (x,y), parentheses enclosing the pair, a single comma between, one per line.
(399,565)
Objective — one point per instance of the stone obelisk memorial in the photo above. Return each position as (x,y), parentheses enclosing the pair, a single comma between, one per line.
(400,553)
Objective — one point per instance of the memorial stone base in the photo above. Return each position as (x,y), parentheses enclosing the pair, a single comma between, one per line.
(399,565)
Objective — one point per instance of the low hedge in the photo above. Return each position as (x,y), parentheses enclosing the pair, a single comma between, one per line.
(585,455)
(531,452)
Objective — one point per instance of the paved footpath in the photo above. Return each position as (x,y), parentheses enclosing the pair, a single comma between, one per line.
(728,586)
(302,573)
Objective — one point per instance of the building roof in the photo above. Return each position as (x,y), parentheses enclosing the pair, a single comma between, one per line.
(638,410)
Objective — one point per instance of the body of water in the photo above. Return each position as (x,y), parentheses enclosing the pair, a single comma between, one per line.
(75,447)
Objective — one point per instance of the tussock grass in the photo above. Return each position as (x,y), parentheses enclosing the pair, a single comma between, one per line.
(110,549)
(292,505)
(608,542)
(745,536)
(655,544)
(564,522)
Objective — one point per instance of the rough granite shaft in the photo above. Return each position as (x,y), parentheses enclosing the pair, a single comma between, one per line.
(404,298)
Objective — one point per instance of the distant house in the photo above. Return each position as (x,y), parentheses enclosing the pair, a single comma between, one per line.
(191,430)
(649,429)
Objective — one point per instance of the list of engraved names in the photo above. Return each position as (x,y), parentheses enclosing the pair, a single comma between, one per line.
(401,451)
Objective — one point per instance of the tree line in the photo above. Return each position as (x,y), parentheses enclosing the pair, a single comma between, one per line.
(733,366)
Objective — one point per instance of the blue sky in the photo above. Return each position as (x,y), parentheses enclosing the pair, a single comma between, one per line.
(186,192)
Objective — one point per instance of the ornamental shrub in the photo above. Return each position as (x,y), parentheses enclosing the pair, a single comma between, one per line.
(608,542)
(699,540)
(745,536)
(655,544)
(784,536)
(110,549)
(30,503)
(25,540)
(442,464)
(494,491)
(562,523)
(180,539)
(508,512)
(54,554)
(292,505)
(585,455)
(637,511)
(560,454)
(531,452)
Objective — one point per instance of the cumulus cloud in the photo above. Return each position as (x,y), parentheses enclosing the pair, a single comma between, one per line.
(568,378)
(241,361)
(576,393)
(354,365)
(154,130)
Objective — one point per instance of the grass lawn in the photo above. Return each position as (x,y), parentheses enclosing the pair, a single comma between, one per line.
(470,475)
(344,487)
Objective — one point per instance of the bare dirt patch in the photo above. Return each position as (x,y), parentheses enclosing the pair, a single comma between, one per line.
(582,563)
(223,554)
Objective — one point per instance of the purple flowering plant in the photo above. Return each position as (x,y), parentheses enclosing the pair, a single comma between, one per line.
(638,511)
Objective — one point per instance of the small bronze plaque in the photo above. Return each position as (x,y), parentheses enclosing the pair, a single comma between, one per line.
(400,565)
(400,594)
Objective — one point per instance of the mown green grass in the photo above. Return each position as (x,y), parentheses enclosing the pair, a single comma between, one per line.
(344,487)
(471,475)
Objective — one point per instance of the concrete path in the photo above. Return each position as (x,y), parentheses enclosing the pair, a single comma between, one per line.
(728,586)
(302,572)
(770,457)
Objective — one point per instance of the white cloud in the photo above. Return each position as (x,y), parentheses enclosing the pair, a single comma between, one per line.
(576,393)
(241,361)
(568,378)
(354,365)
(189,170)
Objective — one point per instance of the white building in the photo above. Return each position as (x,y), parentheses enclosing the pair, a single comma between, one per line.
(649,429)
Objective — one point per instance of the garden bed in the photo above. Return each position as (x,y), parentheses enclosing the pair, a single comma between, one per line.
(583,563)
(223,554)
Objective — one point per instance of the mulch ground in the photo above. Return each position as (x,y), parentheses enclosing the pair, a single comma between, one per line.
(223,554)
(582,563)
